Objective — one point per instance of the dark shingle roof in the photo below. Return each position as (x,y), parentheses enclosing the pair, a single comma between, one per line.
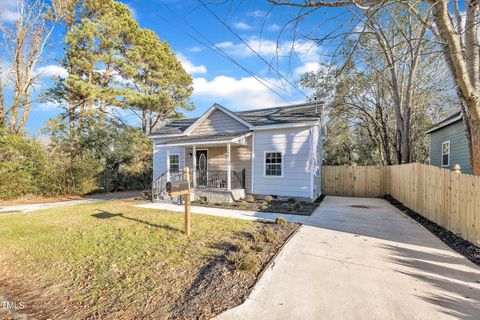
(280,115)
(176,126)
(445,122)
(277,115)
(203,138)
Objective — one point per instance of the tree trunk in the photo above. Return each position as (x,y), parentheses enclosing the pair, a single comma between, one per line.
(3,112)
(26,111)
(72,133)
(144,121)
(473,135)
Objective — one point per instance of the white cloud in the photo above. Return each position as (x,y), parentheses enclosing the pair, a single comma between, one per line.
(8,11)
(258,13)
(52,70)
(305,53)
(195,49)
(274,27)
(238,94)
(304,50)
(307,67)
(189,66)
(242,26)
(47,106)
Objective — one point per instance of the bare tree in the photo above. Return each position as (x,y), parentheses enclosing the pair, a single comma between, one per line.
(461,48)
(23,43)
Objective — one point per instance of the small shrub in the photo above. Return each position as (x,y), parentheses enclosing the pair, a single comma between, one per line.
(265,206)
(242,205)
(292,200)
(249,198)
(227,204)
(243,261)
(269,235)
(296,207)
(268,199)
(203,202)
(281,220)
(259,248)
(249,262)
(146,195)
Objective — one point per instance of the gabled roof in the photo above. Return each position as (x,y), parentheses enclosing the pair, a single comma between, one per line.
(281,115)
(457,116)
(305,112)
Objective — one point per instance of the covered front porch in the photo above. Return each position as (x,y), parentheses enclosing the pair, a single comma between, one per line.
(220,166)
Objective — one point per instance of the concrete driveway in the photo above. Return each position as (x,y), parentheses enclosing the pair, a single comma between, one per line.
(363,259)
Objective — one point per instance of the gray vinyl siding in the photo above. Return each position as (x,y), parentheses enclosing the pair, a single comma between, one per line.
(218,122)
(455,133)
(294,144)
(160,158)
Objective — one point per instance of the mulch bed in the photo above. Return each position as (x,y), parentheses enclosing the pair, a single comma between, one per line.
(302,208)
(221,286)
(462,246)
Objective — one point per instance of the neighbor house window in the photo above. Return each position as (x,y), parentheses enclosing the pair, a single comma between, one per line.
(446,153)
(273,164)
(174,163)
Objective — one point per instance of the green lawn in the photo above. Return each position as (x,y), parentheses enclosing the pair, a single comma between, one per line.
(107,259)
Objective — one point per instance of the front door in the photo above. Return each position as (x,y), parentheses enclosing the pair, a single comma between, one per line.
(202,167)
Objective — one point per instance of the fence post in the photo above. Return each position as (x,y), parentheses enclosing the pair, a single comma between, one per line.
(457,168)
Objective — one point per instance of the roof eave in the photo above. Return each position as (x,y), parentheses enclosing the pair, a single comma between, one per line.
(443,125)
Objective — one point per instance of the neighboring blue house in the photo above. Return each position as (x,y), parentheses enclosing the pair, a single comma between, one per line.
(449,144)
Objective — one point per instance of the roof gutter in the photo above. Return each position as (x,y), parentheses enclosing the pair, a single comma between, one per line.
(287,125)
(237,140)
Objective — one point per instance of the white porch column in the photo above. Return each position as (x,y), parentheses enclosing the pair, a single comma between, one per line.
(194,165)
(168,164)
(229,168)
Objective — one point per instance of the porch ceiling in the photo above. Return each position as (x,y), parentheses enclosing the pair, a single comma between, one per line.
(235,138)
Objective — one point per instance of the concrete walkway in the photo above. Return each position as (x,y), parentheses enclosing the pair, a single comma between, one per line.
(39,206)
(363,259)
(227,213)
(87,199)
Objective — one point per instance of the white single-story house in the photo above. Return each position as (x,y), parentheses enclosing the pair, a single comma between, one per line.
(275,151)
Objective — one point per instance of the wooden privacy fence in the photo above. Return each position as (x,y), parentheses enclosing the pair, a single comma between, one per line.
(447,198)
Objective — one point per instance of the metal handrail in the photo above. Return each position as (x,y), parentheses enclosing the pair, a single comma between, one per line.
(210,179)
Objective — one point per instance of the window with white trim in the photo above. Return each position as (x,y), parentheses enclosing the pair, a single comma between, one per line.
(446,153)
(174,163)
(273,164)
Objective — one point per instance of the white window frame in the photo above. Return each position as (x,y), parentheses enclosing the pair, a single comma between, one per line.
(170,163)
(449,152)
(265,163)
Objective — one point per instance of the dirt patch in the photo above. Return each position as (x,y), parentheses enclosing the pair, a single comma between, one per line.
(460,245)
(227,281)
(290,206)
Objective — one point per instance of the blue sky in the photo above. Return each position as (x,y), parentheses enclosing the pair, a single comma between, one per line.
(215,78)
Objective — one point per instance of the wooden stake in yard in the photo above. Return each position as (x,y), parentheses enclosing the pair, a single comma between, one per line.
(187,202)
(182,188)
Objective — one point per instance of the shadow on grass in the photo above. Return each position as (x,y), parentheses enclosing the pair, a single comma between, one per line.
(108,215)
